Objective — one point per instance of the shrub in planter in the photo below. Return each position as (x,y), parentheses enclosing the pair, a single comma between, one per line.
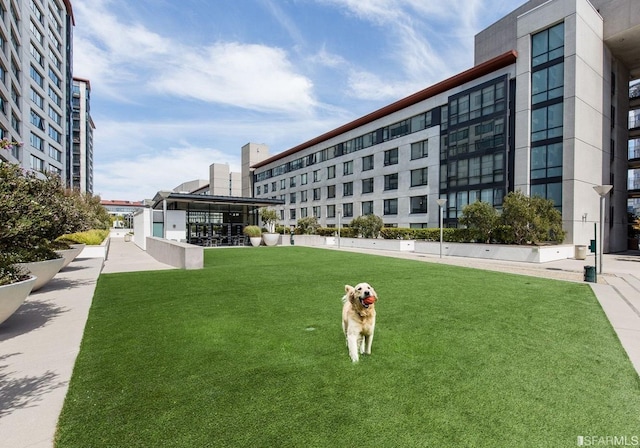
(252,231)
(9,273)
(308,225)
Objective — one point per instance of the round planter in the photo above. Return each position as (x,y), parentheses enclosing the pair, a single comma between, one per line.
(270,239)
(44,270)
(70,254)
(255,240)
(13,295)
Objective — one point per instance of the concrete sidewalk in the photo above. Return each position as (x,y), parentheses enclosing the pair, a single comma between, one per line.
(40,342)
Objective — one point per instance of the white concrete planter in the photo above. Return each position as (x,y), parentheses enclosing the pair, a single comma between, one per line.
(270,239)
(44,270)
(255,240)
(13,295)
(70,254)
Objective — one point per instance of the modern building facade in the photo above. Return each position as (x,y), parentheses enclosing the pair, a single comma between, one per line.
(36,38)
(544,111)
(80,160)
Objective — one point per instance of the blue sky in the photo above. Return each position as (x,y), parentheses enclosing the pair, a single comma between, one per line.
(178,85)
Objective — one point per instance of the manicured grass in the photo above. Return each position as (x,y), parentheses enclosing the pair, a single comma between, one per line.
(249,352)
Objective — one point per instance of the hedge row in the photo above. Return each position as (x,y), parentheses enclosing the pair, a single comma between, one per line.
(452,235)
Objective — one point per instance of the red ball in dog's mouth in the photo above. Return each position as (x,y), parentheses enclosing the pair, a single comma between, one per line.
(369,300)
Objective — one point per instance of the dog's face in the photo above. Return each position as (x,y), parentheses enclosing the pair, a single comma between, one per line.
(362,294)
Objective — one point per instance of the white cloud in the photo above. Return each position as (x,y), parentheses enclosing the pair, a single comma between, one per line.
(137,178)
(130,61)
(249,76)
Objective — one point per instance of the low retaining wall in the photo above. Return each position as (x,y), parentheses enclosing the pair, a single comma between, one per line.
(528,254)
(174,253)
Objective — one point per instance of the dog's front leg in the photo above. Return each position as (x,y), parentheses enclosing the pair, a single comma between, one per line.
(352,343)
(368,342)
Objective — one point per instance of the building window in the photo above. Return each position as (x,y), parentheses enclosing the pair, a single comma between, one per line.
(37,77)
(390,207)
(347,168)
(419,204)
(292,213)
(391,157)
(367,163)
(303,196)
(547,45)
(37,120)
(331,172)
(316,176)
(547,83)
(546,122)
(36,142)
(552,191)
(316,194)
(347,210)
(367,185)
(292,198)
(258,190)
(303,212)
(316,212)
(36,164)
(303,179)
(283,184)
(331,211)
(347,189)
(391,181)
(367,208)
(331,191)
(266,188)
(292,181)
(419,150)
(546,161)
(274,186)
(419,177)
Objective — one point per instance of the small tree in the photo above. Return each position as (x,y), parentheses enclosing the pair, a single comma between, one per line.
(481,218)
(368,226)
(269,218)
(531,220)
(308,225)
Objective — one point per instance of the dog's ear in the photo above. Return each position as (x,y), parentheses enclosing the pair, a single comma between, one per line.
(348,289)
(375,294)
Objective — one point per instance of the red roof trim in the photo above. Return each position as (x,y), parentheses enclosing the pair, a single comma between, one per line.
(489,66)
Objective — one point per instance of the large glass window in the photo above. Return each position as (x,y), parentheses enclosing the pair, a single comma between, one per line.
(347,168)
(367,208)
(547,45)
(546,122)
(347,189)
(546,161)
(547,83)
(367,163)
(347,209)
(419,150)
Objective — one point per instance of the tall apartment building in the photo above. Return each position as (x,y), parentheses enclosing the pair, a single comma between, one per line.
(544,111)
(80,163)
(36,39)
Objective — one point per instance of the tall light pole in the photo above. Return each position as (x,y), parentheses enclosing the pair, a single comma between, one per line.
(339,223)
(441,203)
(603,191)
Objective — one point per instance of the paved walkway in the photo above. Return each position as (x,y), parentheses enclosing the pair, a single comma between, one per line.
(40,342)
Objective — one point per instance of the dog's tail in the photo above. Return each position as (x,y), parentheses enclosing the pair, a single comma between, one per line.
(345,299)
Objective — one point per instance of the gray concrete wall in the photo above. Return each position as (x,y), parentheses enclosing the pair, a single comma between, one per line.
(174,253)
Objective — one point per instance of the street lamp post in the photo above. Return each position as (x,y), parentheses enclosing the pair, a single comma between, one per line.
(603,191)
(441,203)
(339,224)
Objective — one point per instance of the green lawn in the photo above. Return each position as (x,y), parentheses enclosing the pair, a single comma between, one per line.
(249,352)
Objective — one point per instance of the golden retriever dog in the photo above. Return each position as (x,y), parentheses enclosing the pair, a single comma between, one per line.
(359,318)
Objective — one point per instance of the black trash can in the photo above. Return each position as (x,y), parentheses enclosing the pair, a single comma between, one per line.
(590,274)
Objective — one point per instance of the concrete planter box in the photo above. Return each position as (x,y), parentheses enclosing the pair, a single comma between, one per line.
(70,254)
(101,251)
(529,254)
(43,270)
(14,295)
(376,243)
